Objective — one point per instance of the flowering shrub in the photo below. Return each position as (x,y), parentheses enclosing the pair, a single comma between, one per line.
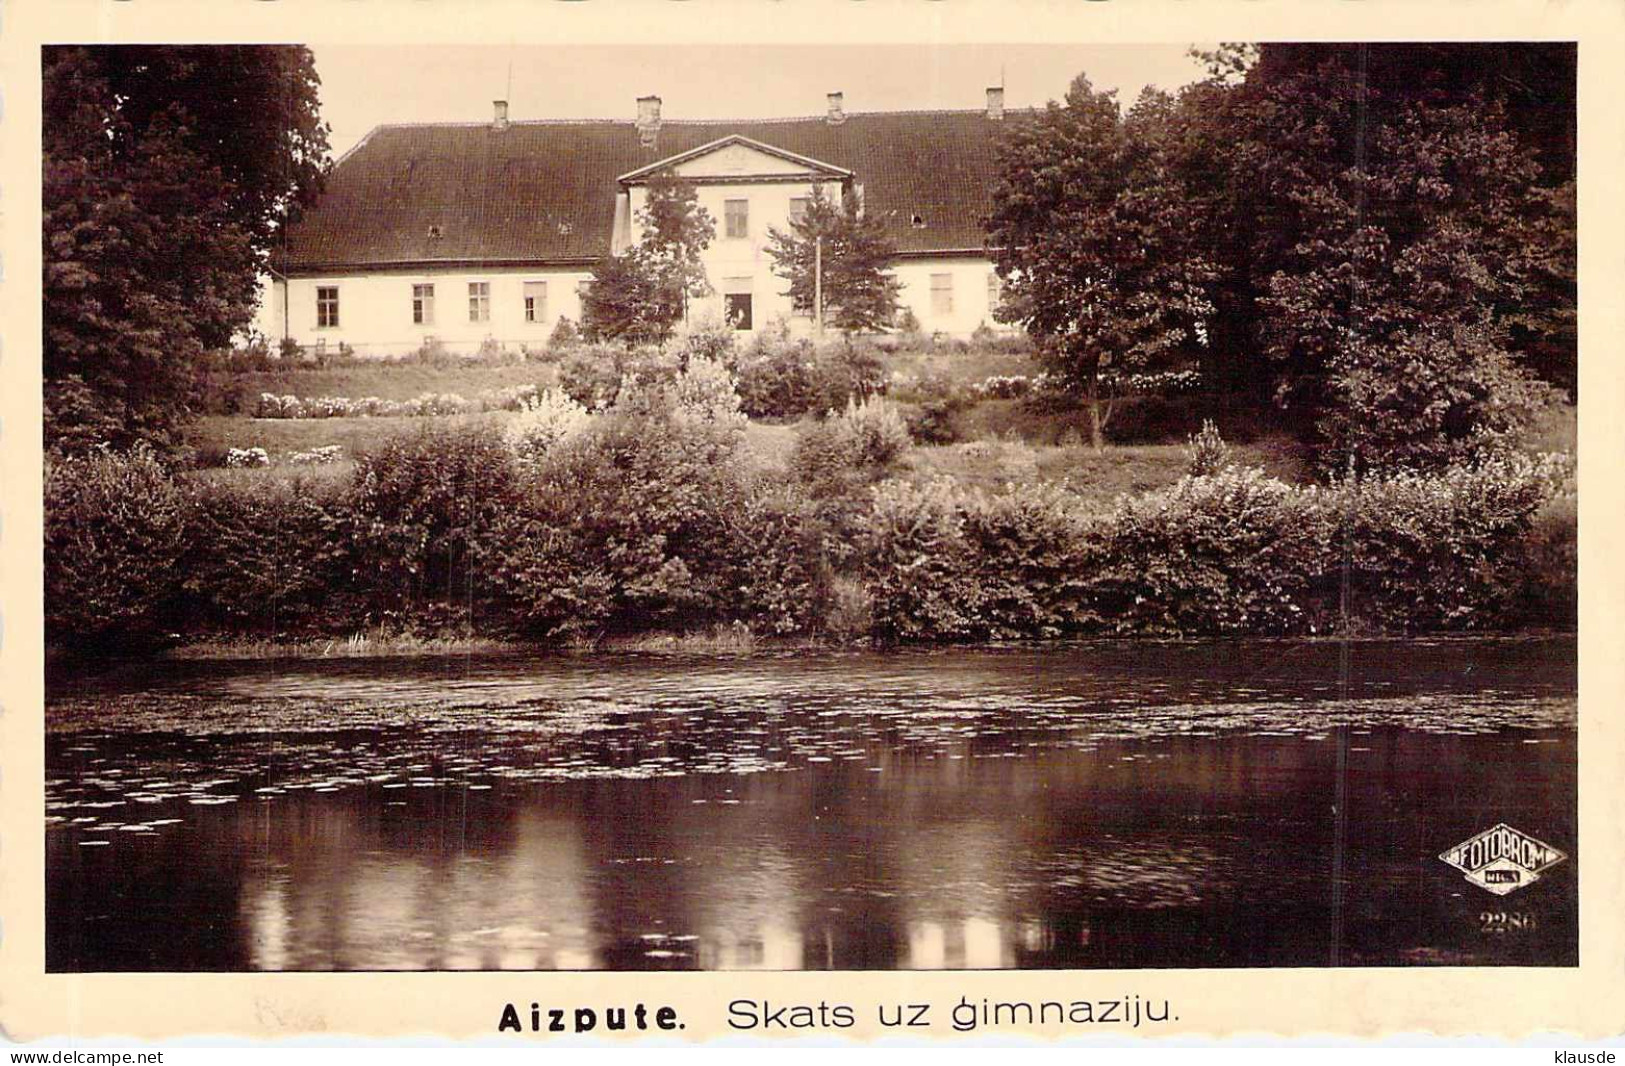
(704,392)
(1003,386)
(326,455)
(247,457)
(543,422)
(850,450)
(1206,451)
(430,404)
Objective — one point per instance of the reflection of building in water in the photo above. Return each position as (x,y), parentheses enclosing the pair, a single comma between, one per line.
(336,897)
(969,944)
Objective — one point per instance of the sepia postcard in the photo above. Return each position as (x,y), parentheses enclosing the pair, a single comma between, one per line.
(918,520)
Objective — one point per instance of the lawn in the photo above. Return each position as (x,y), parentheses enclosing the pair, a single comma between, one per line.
(278,436)
(1097,476)
(229,390)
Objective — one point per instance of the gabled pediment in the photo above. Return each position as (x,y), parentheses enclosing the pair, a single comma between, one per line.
(736,158)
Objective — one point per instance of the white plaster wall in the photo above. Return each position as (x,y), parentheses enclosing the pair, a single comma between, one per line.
(971,307)
(375,310)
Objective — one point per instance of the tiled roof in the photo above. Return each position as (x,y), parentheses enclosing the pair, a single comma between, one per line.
(545,191)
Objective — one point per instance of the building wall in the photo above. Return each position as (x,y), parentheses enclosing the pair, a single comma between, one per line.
(971,303)
(375,310)
(767,207)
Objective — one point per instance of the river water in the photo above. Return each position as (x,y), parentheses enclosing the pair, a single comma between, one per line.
(1137,804)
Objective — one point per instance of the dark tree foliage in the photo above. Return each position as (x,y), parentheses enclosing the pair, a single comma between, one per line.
(859,292)
(639,295)
(1092,232)
(1291,152)
(168,174)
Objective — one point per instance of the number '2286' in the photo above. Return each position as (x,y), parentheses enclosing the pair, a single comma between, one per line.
(1500,922)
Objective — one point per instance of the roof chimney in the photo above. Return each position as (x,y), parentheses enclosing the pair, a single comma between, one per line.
(995,102)
(836,115)
(648,120)
(499,120)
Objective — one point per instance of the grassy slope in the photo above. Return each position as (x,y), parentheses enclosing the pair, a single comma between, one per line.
(399,381)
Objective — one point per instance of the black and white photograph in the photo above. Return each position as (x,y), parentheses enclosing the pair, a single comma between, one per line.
(873,507)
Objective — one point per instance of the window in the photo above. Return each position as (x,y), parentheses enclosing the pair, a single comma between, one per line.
(798,208)
(423,305)
(917,221)
(737,216)
(535,301)
(327,307)
(736,302)
(942,294)
(995,291)
(479,301)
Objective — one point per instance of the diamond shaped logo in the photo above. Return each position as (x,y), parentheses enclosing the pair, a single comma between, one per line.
(1501,859)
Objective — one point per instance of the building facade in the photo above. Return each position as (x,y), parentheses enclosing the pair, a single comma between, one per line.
(470,235)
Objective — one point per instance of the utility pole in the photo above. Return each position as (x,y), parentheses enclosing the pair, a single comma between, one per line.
(818,285)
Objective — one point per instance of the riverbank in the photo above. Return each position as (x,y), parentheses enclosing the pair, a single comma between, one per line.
(657,516)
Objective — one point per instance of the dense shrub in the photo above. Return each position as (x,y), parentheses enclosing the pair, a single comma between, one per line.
(707,338)
(846,372)
(592,376)
(115,541)
(936,415)
(784,378)
(421,501)
(1443,551)
(1549,595)
(776,379)
(782,576)
(851,450)
(625,525)
(1236,552)
(946,564)
(270,556)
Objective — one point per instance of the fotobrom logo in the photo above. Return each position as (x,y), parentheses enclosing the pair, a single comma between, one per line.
(1502,860)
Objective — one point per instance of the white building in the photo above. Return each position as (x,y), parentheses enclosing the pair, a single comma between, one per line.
(471,234)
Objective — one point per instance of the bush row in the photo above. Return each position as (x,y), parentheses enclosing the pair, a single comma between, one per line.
(646,516)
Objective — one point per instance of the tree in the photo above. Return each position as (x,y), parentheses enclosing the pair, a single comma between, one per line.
(1388,245)
(859,292)
(1091,232)
(169,173)
(641,294)
(1365,205)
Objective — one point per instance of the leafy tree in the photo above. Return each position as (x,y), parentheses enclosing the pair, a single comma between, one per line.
(640,295)
(1091,231)
(168,174)
(859,292)
(1388,247)
(1366,207)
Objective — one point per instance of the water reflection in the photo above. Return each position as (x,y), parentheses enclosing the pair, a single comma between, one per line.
(982,810)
